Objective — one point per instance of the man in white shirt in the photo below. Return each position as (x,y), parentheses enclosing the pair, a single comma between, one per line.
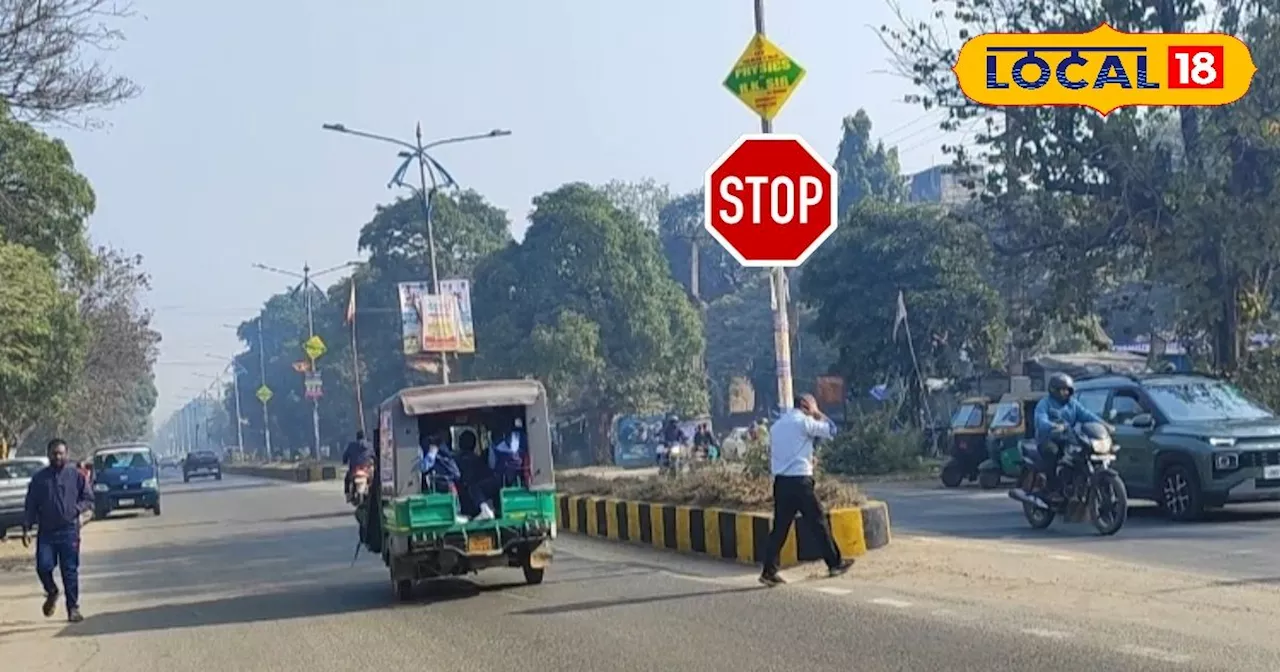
(791,456)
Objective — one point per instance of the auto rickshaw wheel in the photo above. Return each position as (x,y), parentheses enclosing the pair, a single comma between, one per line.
(532,576)
(952,475)
(404,590)
(989,480)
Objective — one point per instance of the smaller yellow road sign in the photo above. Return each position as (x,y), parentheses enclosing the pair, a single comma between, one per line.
(764,77)
(264,394)
(314,347)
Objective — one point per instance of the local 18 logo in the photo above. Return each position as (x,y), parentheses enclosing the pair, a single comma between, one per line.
(1104,69)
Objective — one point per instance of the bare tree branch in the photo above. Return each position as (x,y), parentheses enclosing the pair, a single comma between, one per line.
(50,67)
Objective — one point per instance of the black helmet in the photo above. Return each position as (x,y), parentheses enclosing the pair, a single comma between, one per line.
(673,418)
(1061,386)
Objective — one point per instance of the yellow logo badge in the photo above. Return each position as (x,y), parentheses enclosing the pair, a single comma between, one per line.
(1104,69)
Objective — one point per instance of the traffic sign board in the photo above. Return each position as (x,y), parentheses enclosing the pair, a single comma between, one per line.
(314,347)
(771,200)
(764,77)
(313,386)
(263,394)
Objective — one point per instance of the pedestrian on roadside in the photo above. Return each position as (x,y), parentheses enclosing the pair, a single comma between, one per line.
(792,460)
(56,498)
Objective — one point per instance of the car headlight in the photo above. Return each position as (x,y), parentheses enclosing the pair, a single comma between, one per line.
(1102,446)
(675,450)
(1221,442)
(150,484)
(1226,461)
(99,487)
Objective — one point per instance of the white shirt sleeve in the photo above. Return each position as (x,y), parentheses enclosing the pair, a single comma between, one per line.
(819,429)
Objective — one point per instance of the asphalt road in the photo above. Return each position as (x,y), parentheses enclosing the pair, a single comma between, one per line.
(257,576)
(1239,541)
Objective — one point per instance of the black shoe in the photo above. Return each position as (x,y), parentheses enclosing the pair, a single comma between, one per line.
(50,604)
(73,615)
(840,569)
(772,580)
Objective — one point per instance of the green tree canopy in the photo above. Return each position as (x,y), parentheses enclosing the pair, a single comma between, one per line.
(41,342)
(938,261)
(866,170)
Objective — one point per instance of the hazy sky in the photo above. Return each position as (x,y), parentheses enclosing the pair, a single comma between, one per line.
(221,162)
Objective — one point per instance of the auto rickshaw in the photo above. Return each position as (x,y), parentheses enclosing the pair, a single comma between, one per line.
(1008,436)
(418,527)
(967,441)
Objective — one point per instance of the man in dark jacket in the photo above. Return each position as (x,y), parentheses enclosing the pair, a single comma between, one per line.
(56,498)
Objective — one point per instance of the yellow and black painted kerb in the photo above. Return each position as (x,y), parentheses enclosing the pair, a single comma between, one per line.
(731,535)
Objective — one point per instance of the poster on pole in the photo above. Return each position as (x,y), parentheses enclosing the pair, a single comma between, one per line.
(461,290)
(440,331)
(410,319)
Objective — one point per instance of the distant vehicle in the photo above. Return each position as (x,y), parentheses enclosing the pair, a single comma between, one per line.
(15,475)
(125,476)
(201,463)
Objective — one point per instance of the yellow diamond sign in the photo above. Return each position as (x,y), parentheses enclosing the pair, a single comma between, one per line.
(264,394)
(764,77)
(314,347)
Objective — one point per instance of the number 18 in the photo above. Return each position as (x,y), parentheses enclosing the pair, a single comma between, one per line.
(1195,67)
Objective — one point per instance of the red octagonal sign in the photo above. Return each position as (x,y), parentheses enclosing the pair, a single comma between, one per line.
(771,200)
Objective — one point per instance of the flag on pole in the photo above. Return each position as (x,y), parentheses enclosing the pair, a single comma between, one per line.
(351,304)
(901,317)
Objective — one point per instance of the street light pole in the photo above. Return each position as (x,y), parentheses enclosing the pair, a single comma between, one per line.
(262,370)
(427,166)
(778,286)
(307,285)
(235,390)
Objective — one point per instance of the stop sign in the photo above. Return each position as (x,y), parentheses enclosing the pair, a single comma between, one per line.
(771,200)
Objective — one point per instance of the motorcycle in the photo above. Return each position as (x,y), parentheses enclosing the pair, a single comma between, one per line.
(359,492)
(673,459)
(1088,488)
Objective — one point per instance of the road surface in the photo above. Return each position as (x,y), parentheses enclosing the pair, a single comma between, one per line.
(1239,541)
(253,575)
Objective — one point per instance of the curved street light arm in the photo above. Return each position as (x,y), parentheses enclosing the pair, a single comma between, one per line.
(467,138)
(339,128)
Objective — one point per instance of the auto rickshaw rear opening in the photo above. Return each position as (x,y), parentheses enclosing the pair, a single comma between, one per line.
(433,520)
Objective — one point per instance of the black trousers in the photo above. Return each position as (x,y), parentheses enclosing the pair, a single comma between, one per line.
(792,495)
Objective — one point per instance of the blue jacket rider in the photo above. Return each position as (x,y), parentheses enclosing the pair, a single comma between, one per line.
(1056,411)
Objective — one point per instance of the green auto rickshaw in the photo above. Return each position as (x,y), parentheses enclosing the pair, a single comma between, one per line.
(1012,432)
(417,523)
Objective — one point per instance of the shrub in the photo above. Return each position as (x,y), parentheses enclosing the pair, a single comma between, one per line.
(755,459)
(871,445)
(720,486)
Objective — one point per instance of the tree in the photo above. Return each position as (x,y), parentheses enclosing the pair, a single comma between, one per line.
(282,324)
(588,289)
(866,171)
(937,260)
(1088,198)
(47,72)
(41,342)
(44,202)
(644,200)
(686,241)
(114,390)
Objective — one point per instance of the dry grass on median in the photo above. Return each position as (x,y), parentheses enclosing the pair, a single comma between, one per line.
(707,487)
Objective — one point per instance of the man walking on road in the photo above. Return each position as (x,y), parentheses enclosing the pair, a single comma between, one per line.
(56,498)
(791,455)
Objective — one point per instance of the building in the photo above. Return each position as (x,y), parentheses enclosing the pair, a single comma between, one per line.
(938,185)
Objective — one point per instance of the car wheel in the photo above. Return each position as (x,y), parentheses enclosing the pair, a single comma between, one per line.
(4,531)
(217,476)
(1180,495)
(186,478)
(156,509)
(99,513)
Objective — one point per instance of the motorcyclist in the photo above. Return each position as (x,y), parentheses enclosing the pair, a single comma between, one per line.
(672,436)
(1053,415)
(359,453)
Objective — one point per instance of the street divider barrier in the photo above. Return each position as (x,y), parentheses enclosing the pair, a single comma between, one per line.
(720,533)
(284,472)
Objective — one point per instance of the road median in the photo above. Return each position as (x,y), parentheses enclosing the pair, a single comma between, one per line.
(714,512)
(14,556)
(294,472)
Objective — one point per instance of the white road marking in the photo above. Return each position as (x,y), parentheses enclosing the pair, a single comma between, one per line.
(1155,654)
(1013,551)
(1048,634)
(1066,558)
(890,602)
(834,591)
